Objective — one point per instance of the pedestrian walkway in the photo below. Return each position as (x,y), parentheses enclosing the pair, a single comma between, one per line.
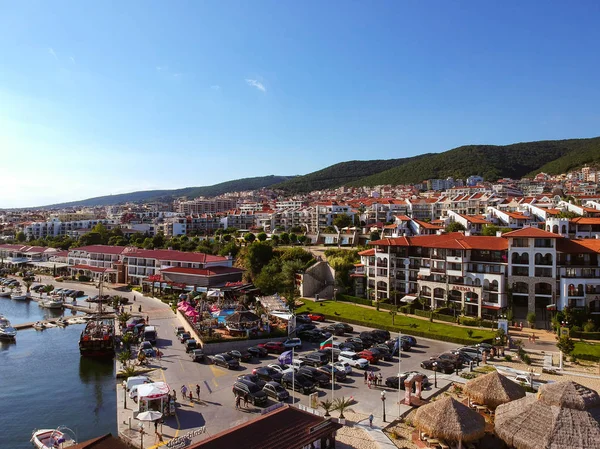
(376,433)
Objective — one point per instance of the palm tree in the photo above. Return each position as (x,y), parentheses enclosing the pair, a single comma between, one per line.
(127,340)
(129,371)
(341,405)
(123,318)
(27,284)
(326,405)
(124,357)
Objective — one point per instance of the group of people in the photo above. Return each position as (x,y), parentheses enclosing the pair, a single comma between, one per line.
(188,392)
(239,398)
(373,379)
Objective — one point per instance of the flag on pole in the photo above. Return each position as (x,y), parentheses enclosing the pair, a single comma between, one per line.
(327,343)
(285,358)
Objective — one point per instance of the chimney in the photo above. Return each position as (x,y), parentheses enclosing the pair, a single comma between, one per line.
(468,233)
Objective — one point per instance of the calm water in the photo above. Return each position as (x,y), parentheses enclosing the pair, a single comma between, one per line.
(44,383)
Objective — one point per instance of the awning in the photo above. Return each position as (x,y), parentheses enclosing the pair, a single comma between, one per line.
(282,315)
(491,307)
(551,307)
(154,390)
(49,264)
(408,299)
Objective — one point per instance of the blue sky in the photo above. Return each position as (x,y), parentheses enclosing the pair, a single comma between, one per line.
(109,97)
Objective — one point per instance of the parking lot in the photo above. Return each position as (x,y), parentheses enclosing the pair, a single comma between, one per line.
(216,408)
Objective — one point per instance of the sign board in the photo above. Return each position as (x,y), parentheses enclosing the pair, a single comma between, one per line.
(564,331)
(313,399)
(462,288)
(185,440)
(503,324)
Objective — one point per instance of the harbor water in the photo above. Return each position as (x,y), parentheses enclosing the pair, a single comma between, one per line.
(44,383)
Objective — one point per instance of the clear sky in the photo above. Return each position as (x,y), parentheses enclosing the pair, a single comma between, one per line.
(101,97)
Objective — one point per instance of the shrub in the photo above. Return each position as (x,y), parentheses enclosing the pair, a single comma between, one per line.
(470,333)
(84,278)
(589,326)
(531,319)
(466,321)
(526,359)
(508,358)
(565,344)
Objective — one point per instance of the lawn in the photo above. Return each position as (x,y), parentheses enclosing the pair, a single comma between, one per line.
(354,314)
(587,351)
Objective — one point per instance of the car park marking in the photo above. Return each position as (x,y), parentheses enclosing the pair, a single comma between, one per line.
(217,371)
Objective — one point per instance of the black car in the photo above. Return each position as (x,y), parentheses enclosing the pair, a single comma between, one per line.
(184,336)
(225,360)
(314,336)
(303,319)
(267,374)
(339,375)
(305,327)
(335,330)
(332,354)
(316,358)
(380,336)
(190,345)
(197,355)
(258,351)
(367,339)
(276,391)
(392,382)
(412,341)
(347,328)
(456,360)
(298,382)
(242,355)
(442,365)
(179,330)
(350,346)
(357,342)
(252,378)
(254,392)
(315,375)
(385,352)
(392,345)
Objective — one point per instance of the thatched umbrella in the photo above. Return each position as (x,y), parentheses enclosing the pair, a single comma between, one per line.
(549,421)
(450,420)
(493,389)
(242,317)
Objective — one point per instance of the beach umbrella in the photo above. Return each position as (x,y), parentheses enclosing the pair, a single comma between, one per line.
(563,415)
(150,415)
(493,389)
(450,420)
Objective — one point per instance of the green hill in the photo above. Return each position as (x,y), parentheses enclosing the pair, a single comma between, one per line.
(341,174)
(168,195)
(492,162)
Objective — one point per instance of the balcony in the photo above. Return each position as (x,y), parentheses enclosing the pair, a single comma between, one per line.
(457,273)
(424,271)
(542,272)
(454,259)
(520,271)
(438,270)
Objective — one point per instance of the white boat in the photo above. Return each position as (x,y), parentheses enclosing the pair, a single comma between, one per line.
(53,438)
(19,296)
(39,326)
(5,294)
(54,302)
(7,332)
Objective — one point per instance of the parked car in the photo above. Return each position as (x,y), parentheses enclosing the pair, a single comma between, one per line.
(303,319)
(281,368)
(292,343)
(275,347)
(474,353)
(347,328)
(179,330)
(372,357)
(315,375)
(344,366)
(367,339)
(184,336)
(316,317)
(276,391)
(258,351)
(339,374)
(392,381)
(197,355)
(191,344)
(455,359)
(241,355)
(331,353)
(252,378)
(353,359)
(147,349)
(335,330)
(255,394)
(315,358)
(305,327)
(350,346)
(380,336)
(135,380)
(267,374)
(225,360)
(299,383)
(314,336)
(383,350)
(443,366)
(357,342)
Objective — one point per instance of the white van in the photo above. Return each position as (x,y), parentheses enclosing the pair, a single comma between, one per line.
(150,334)
(353,359)
(135,380)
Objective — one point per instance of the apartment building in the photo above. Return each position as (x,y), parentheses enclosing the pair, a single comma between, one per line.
(206,206)
(55,227)
(323,214)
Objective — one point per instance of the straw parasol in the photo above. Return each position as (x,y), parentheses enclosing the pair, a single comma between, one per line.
(549,422)
(449,419)
(242,317)
(493,389)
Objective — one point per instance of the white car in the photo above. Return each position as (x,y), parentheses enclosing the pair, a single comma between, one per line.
(294,343)
(343,366)
(281,368)
(353,359)
(135,380)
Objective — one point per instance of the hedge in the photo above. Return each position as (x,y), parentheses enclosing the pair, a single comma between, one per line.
(587,351)
(585,335)
(354,299)
(436,316)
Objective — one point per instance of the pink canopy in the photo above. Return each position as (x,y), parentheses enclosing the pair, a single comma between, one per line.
(183,307)
(191,312)
(182,303)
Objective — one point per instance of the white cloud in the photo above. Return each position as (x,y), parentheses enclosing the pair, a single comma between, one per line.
(72,59)
(51,51)
(162,68)
(215,87)
(176,75)
(255,83)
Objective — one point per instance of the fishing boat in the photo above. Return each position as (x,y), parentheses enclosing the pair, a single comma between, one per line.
(54,302)
(53,438)
(19,296)
(98,338)
(7,332)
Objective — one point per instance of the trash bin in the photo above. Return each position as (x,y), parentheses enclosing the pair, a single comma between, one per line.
(316,297)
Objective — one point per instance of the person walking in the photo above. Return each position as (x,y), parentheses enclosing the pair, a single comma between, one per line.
(147,317)
(246,400)
(237,402)
(369,380)
(371,420)
(198,391)
(191,396)
(184,391)
(366,374)
(379,379)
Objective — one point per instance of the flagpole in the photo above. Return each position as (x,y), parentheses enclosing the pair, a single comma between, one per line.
(293,379)
(399,365)
(332,370)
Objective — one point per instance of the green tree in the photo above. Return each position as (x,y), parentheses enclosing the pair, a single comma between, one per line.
(326,405)
(249,237)
(565,344)
(341,405)
(21,237)
(455,226)
(269,280)
(124,357)
(262,236)
(293,238)
(91,238)
(302,239)
(102,231)
(375,235)
(531,319)
(158,241)
(342,221)
(285,238)
(229,248)
(257,256)
(275,239)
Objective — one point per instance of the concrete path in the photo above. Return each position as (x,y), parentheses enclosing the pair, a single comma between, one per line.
(376,433)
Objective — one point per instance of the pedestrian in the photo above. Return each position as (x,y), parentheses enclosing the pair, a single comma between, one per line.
(140,308)
(147,317)
(380,379)
(369,380)
(156,426)
(184,391)
(237,402)
(198,391)
(191,396)
(366,374)
(131,308)
(371,420)
(246,400)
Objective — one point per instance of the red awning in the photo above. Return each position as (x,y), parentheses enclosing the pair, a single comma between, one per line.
(491,307)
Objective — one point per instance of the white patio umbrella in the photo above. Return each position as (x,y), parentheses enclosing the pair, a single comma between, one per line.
(150,415)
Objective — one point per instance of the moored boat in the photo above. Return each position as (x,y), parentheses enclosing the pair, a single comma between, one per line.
(54,302)
(7,332)
(39,326)
(5,294)
(18,295)
(53,438)
(98,338)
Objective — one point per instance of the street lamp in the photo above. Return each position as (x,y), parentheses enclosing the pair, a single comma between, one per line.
(383,403)
(124,396)
(435,368)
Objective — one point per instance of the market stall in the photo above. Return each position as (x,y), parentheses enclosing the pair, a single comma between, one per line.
(154,396)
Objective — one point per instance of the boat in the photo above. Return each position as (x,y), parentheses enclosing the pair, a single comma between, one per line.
(7,332)
(54,302)
(39,326)
(61,322)
(5,294)
(19,296)
(53,438)
(98,338)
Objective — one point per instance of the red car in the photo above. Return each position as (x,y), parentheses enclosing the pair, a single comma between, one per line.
(316,316)
(368,355)
(274,347)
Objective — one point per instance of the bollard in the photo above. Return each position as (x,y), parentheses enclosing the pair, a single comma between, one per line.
(471,366)
(130,423)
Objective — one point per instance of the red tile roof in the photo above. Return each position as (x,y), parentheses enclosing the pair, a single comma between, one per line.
(531,232)
(172,255)
(367,252)
(586,220)
(454,240)
(426,225)
(100,249)
(211,271)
